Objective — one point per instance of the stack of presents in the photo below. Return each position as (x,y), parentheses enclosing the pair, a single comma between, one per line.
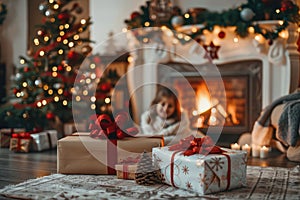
(112,148)
(20,140)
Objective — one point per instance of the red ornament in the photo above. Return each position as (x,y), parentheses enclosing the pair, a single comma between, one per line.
(105,87)
(222,34)
(60,68)
(134,15)
(64,16)
(72,55)
(212,51)
(15,90)
(26,69)
(286,5)
(50,115)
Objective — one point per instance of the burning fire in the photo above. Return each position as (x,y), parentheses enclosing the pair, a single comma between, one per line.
(209,111)
(203,99)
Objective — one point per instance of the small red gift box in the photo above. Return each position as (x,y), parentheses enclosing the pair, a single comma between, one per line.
(20,142)
(126,169)
(5,135)
(33,141)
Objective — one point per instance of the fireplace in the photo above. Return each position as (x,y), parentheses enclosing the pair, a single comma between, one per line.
(236,110)
(254,74)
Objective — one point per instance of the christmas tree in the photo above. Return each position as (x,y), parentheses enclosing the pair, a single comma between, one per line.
(43,84)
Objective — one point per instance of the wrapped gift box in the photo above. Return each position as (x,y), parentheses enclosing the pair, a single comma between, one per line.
(202,173)
(44,140)
(26,142)
(20,144)
(81,154)
(5,135)
(126,171)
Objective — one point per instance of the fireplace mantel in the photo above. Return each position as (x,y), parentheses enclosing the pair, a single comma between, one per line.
(280,60)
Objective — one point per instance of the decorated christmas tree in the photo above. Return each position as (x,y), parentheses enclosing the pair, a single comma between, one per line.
(43,84)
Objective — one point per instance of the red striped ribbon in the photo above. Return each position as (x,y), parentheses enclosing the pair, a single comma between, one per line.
(112,155)
(228,170)
(172,167)
(125,171)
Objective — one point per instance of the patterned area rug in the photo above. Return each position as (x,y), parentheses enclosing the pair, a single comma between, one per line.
(262,183)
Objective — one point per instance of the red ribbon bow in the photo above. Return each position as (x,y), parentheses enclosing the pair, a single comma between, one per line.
(25,135)
(192,145)
(103,127)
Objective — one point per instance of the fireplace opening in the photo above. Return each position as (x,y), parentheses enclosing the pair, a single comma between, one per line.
(207,109)
(236,110)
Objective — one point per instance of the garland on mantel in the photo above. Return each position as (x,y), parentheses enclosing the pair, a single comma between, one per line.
(244,18)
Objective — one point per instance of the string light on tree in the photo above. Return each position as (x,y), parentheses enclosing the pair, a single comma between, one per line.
(48,75)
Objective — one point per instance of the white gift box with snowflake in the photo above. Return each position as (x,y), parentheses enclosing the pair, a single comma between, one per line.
(204,174)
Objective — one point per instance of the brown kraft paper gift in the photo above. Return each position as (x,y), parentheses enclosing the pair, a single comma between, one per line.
(81,154)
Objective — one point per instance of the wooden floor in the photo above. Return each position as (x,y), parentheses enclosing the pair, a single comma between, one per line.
(18,167)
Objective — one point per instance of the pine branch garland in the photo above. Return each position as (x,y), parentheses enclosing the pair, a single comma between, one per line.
(285,10)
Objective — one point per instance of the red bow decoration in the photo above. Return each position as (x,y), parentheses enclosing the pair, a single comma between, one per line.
(103,127)
(25,135)
(192,145)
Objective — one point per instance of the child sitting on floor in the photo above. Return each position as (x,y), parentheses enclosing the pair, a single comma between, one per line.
(165,116)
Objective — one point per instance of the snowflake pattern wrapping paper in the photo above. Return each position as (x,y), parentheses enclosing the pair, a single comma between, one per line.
(204,174)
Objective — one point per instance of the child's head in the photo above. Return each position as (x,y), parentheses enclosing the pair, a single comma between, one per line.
(166,103)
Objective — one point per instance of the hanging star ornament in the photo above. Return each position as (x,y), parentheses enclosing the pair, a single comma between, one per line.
(211,50)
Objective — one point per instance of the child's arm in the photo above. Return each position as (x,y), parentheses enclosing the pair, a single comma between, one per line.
(178,127)
(146,126)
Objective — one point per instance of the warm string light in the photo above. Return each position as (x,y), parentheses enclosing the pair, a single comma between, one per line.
(187,15)
(259,38)
(42,53)
(36,41)
(56,98)
(93,106)
(92,66)
(235,39)
(145,40)
(56,6)
(147,24)
(22,61)
(83,21)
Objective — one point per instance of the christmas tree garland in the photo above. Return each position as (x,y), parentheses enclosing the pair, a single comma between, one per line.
(243,18)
